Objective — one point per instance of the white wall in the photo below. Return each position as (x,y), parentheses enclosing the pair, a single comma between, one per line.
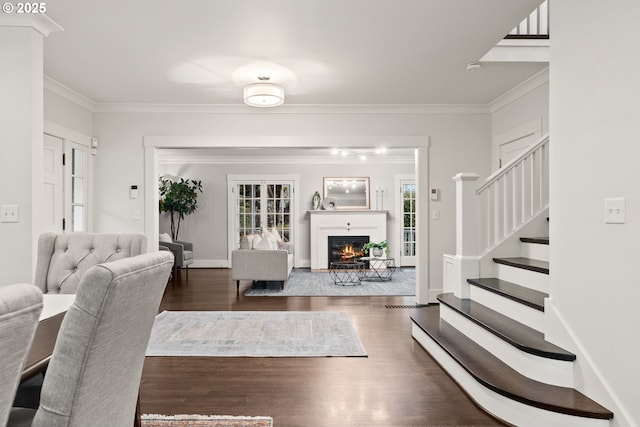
(595,154)
(21,138)
(213,210)
(520,107)
(532,103)
(459,142)
(63,112)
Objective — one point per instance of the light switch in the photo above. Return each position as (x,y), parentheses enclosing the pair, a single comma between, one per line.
(136,214)
(435,214)
(9,213)
(615,211)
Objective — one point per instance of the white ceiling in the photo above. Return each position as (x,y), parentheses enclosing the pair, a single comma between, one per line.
(324,52)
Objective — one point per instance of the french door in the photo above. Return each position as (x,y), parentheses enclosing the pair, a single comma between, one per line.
(408,222)
(76,177)
(259,204)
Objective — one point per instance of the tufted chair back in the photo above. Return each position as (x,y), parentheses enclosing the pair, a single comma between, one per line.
(64,258)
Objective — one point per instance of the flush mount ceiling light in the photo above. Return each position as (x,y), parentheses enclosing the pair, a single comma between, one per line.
(263,94)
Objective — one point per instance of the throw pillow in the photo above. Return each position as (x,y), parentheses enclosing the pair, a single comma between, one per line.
(272,241)
(254,239)
(263,244)
(276,234)
(285,246)
(164,237)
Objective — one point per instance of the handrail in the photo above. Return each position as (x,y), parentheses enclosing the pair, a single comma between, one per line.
(496,212)
(511,164)
(512,196)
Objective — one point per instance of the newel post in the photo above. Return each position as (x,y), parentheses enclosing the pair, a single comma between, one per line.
(466,265)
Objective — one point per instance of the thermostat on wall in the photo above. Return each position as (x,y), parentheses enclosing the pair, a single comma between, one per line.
(434,193)
(133,192)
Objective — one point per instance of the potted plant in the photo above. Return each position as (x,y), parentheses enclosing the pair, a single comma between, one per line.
(179,199)
(376,248)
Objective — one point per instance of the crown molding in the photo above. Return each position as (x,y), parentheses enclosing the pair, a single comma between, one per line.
(38,21)
(288,160)
(534,82)
(295,109)
(69,94)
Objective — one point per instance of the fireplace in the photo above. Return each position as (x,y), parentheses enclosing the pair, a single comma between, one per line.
(345,248)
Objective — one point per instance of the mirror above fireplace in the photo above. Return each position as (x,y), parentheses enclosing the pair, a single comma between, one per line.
(348,192)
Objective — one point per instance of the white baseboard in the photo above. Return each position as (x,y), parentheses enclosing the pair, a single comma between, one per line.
(303,263)
(593,382)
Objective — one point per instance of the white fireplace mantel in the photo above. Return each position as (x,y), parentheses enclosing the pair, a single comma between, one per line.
(325,223)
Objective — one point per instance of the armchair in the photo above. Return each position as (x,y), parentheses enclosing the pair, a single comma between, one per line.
(182,252)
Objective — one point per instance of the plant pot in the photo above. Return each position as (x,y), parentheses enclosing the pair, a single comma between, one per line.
(376,252)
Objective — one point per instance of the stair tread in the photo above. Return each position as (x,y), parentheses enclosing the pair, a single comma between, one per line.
(525,263)
(520,336)
(527,296)
(538,240)
(499,377)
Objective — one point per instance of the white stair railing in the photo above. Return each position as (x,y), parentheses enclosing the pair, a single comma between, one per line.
(486,217)
(536,25)
(513,195)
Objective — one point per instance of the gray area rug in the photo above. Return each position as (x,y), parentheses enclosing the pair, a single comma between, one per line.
(254,334)
(303,282)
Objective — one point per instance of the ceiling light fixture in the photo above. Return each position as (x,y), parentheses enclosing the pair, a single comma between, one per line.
(359,153)
(263,94)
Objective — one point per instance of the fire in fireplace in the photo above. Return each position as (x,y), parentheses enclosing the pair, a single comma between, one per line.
(346,248)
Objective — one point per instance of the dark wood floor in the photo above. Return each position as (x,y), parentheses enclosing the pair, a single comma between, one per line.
(398,384)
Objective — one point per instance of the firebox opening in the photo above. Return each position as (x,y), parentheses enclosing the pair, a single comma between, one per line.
(346,248)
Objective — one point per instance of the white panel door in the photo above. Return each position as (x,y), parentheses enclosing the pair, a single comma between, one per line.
(509,144)
(52,200)
(512,149)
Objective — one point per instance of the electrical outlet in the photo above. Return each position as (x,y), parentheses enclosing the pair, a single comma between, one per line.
(615,211)
(9,213)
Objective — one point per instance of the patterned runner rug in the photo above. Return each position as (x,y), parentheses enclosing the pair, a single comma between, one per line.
(204,421)
(254,334)
(303,282)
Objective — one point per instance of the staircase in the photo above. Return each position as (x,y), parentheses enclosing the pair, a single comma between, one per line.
(487,331)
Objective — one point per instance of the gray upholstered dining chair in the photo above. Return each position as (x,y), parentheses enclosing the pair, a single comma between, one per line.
(94,374)
(20,307)
(62,261)
(64,258)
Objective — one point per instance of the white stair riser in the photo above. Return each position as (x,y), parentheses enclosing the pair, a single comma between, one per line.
(522,277)
(500,406)
(535,251)
(550,371)
(519,312)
